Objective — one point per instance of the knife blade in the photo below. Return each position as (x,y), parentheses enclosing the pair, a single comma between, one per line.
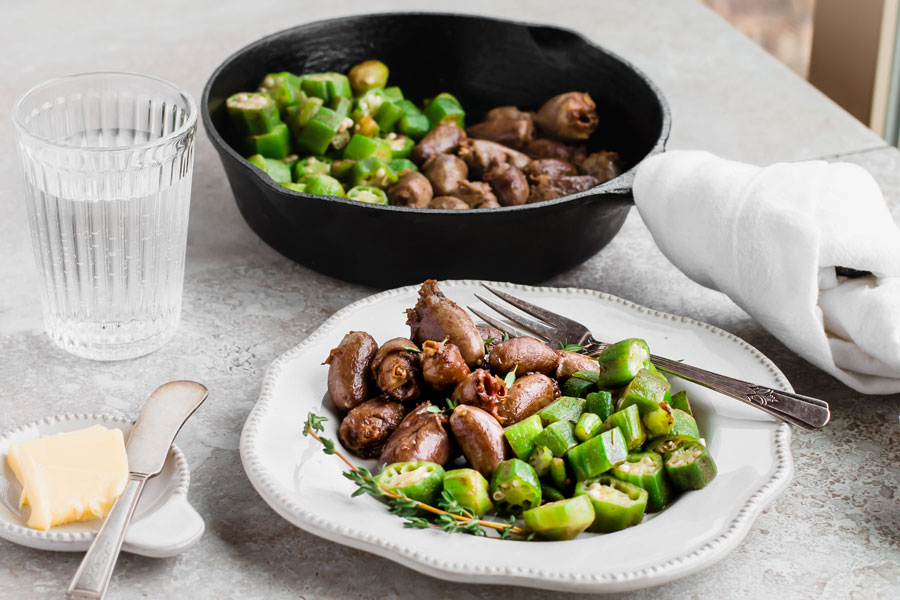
(162,417)
(167,409)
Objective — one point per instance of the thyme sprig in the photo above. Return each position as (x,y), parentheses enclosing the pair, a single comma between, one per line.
(448,516)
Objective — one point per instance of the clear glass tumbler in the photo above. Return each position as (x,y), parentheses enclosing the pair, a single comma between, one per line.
(108,159)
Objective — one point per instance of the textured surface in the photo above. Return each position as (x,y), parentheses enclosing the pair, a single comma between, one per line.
(833,533)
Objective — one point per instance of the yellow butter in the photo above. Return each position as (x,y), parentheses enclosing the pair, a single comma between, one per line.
(73,476)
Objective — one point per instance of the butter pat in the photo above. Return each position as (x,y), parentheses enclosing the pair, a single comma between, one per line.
(73,476)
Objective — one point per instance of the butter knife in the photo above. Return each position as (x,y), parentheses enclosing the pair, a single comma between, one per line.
(167,409)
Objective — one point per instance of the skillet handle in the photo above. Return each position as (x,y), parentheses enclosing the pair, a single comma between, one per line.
(621,187)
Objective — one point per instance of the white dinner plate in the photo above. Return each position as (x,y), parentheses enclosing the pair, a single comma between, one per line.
(164,523)
(305,486)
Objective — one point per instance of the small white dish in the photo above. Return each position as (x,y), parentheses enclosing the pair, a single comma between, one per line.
(164,523)
(305,486)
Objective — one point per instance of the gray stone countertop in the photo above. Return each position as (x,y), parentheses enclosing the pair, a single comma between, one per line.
(833,533)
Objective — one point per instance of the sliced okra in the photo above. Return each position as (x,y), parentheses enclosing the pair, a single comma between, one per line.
(559,475)
(419,480)
(368,194)
(621,362)
(647,390)
(629,421)
(567,408)
(598,455)
(274,168)
(521,436)
(470,490)
(617,504)
(690,467)
(312,165)
(284,88)
(372,171)
(275,144)
(588,426)
(326,85)
(563,519)
(645,470)
(600,403)
(540,459)
(253,113)
(515,487)
(559,436)
(577,387)
(680,401)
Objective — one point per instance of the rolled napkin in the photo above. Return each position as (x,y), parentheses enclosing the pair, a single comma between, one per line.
(772,237)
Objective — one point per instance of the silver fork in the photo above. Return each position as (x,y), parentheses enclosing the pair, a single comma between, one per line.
(803,411)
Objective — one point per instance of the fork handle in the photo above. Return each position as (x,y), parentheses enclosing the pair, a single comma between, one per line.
(803,411)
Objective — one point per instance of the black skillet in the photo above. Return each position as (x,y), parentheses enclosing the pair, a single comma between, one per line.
(486,63)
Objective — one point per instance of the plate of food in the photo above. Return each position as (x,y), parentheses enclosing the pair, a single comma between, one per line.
(405,428)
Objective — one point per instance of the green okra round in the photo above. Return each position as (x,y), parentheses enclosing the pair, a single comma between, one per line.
(417,480)
(393,93)
(560,520)
(521,436)
(414,125)
(617,504)
(540,459)
(566,408)
(515,487)
(401,145)
(680,401)
(318,133)
(274,168)
(398,165)
(559,475)
(368,194)
(577,387)
(690,467)
(387,116)
(645,470)
(559,436)
(253,113)
(445,107)
(326,85)
(368,75)
(283,87)
(470,490)
(362,147)
(683,424)
(550,493)
(647,390)
(598,455)
(588,426)
(340,169)
(312,165)
(322,185)
(628,420)
(600,403)
(660,420)
(621,362)
(372,171)
(665,444)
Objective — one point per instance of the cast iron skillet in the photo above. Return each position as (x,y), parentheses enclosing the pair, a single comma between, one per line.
(485,63)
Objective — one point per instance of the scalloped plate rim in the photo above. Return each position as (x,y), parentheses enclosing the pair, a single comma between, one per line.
(674,568)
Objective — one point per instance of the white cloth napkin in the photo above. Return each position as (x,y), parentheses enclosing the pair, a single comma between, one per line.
(771,237)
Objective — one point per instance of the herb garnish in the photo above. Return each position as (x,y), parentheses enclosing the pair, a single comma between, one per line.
(448,516)
(510,377)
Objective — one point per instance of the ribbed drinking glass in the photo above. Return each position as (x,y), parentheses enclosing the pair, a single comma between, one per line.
(107,159)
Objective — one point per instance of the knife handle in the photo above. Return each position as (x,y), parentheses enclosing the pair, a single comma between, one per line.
(96,567)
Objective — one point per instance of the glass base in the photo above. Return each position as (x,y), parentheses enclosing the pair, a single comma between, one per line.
(110,341)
